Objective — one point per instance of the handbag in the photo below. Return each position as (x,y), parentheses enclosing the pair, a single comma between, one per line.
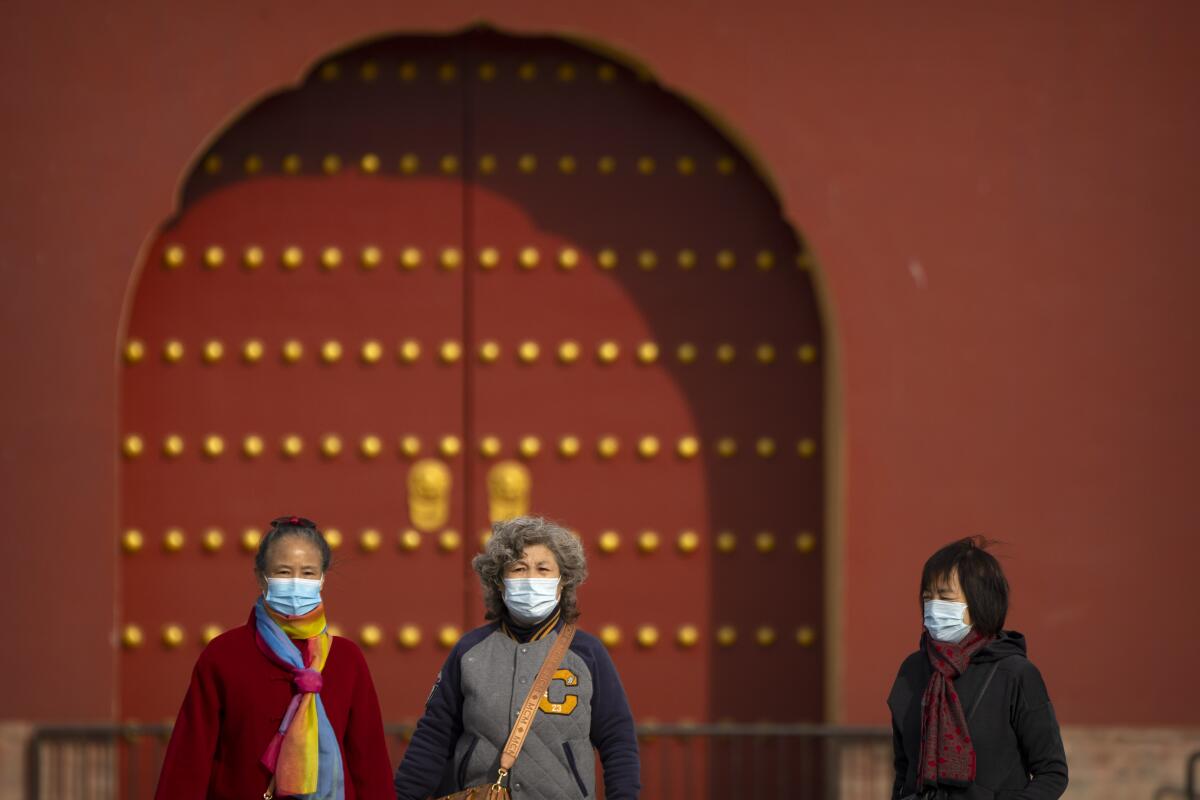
(512,748)
(938,793)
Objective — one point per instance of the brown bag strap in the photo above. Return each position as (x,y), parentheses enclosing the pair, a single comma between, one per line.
(525,719)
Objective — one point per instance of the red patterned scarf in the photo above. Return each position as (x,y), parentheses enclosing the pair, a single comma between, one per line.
(947,754)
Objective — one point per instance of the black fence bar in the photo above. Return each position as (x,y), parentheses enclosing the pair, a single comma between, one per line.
(679,761)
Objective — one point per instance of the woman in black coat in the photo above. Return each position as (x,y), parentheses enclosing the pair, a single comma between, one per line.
(971,717)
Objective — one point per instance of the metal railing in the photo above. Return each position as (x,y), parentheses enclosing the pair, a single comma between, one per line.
(1191,783)
(763,761)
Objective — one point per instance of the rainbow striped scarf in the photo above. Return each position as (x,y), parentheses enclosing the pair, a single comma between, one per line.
(303,756)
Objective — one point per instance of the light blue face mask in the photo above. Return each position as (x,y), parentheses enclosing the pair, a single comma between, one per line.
(944,620)
(530,600)
(293,596)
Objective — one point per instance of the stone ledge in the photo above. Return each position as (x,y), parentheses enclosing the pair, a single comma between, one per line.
(14,744)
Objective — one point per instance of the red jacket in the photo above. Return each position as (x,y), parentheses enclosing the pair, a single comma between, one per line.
(234,706)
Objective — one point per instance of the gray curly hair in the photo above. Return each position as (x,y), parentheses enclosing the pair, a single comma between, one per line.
(508,543)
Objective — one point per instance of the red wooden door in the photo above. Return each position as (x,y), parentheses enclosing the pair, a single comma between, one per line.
(585,303)
(313,284)
(649,267)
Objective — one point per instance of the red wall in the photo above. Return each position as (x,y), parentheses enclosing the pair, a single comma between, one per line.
(1003,200)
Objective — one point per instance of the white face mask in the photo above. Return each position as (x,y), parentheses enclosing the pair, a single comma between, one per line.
(530,599)
(944,620)
(293,596)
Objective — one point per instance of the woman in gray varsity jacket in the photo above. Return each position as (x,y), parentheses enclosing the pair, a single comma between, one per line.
(530,571)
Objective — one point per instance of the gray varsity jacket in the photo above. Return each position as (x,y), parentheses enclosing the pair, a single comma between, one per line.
(475,701)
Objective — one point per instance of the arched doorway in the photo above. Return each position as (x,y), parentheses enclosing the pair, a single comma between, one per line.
(447,278)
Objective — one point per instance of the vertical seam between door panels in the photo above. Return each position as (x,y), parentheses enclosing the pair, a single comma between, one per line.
(468,431)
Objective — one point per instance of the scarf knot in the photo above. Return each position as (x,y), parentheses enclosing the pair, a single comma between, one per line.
(307,680)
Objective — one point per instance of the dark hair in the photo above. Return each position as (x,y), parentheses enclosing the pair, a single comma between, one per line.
(980,576)
(282,527)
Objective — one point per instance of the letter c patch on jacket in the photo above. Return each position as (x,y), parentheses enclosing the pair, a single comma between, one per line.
(569,701)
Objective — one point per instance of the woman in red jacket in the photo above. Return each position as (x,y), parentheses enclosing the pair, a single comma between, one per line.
(278,707)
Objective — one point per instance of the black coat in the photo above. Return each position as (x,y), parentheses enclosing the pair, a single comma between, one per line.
(1018,750)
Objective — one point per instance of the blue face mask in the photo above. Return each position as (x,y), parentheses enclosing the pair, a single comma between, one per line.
(293,596)
(530,599)
(944,620)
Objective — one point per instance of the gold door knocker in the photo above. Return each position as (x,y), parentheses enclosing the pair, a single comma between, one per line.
(508,484)
(429,494)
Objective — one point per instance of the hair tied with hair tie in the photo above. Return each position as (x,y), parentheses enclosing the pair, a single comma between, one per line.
(293,522)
